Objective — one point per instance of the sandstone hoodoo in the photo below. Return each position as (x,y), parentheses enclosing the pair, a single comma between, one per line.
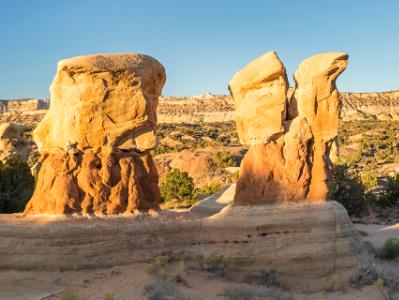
(13,144)
(289,139)
(95,139)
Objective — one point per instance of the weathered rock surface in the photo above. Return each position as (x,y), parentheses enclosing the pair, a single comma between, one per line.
(13,144)
(316,99)
(95,138)
(315,241)
(260,94)
(288,161)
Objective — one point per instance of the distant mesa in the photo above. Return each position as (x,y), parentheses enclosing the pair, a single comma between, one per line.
(209,107)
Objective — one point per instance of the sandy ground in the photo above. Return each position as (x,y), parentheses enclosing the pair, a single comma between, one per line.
(128,282)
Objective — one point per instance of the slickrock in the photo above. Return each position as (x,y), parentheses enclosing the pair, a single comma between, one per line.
(288,158)
(95,139)
(13,144)
(308,244)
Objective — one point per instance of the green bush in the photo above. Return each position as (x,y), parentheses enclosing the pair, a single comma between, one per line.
(177,185)
(16,185)
(70,295)
(369,180)
(162,290)
(224,159)
(211,189)
(390,249)
(391,193)
(158,264)
(348,190)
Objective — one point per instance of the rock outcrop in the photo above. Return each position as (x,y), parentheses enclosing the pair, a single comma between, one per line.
(289,141)
(316,241)
(13,143)
(95,139)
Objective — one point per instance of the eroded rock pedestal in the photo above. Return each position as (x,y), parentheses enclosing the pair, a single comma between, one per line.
(289,139)
(95,139)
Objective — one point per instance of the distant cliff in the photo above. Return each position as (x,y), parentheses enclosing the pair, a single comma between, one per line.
(215,108)
(27,111)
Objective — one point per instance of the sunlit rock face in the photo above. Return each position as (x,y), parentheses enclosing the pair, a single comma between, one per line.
(96,136)
(289,139)
(13,144)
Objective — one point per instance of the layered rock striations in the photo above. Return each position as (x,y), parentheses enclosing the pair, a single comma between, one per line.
(289,139)
(95,139)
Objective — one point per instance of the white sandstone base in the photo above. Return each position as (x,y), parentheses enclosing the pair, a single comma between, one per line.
(307,244)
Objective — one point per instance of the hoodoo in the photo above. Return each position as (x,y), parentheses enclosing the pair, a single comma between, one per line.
(289,139)
(95,139)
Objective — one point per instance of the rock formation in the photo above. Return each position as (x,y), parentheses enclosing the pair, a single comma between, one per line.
(13,144)
(95,139)
(289,141)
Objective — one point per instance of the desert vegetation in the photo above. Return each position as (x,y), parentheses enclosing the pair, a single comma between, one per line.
(16,185)
(366,171)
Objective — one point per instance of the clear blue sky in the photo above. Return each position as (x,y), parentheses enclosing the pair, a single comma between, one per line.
(200,43)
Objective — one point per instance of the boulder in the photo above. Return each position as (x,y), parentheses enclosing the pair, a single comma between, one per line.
(13,144)
(95,139)
(259,91)
(289,141)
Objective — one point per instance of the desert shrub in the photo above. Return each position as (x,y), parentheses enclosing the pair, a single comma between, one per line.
(355,157)
(213,264)
(224,159)
(369,180)
(348,190)
(16,185)
(268,278)
(70,295)
(163,290)
(366,273)
(179,273)
(390,195)
(211,189)
(177,185)
(248,292)
(109,296)
(157,266)
(161,149)
(390,249)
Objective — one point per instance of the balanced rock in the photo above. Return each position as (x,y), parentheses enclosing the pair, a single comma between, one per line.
(96,136)
(289,141)
(13,144)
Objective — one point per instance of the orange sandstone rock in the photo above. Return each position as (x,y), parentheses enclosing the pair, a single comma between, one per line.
(96,137)
(260,90)
(289,155)
(316,99)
